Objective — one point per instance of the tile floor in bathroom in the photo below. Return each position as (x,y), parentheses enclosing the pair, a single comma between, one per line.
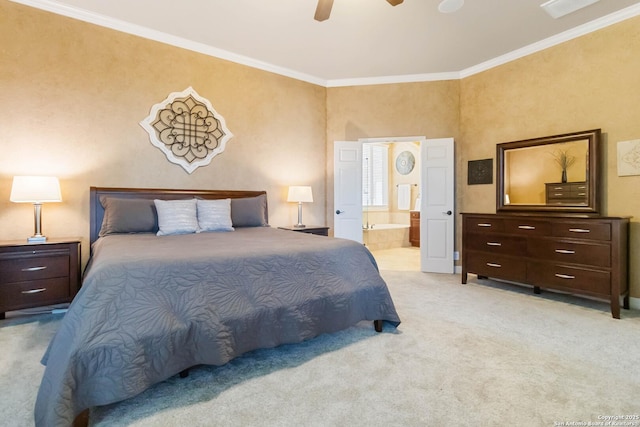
(398,259)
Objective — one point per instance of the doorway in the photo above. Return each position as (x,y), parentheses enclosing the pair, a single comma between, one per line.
(390,198)
(435,174)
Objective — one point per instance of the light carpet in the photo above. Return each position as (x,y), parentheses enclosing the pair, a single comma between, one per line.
(481,354)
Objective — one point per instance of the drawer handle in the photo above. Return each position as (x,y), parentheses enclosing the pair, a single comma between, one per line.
(526,227)
(484,224)
(558,194)
(558,188)
(582,187)
(34,268)
(493,264)
(494,244)
(565,276)
(579,230)
(565,251)
(34,291)
(582,194)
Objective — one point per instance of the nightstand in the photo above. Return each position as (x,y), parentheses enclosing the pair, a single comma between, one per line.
(309,229)
(37,274)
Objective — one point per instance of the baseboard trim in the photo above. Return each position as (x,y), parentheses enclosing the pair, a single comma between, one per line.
(634,303)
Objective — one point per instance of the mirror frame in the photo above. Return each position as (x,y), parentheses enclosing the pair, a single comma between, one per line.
(593,177)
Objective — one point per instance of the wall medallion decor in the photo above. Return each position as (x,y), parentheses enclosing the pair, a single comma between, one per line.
(405,162)
(187,129)
(629,157)
(480,172)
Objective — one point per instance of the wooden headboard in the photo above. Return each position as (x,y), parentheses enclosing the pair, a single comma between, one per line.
(96,211)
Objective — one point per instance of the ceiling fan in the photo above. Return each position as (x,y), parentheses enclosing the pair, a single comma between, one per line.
(323,10)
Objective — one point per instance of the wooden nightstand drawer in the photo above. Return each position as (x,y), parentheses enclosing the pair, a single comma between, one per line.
(33,293)
(33,268)
(36,274)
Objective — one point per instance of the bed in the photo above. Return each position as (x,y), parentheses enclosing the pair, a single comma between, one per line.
(152,306)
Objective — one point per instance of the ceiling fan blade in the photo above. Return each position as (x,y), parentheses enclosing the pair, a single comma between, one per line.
(394,2)
(323,10)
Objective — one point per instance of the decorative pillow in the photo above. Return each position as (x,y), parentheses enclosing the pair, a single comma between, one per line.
(214,215)
(176,216)
(128,216)
(249,211)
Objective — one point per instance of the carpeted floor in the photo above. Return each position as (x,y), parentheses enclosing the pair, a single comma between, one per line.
(482,354)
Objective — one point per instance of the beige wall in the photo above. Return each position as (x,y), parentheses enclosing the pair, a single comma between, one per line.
(72,95)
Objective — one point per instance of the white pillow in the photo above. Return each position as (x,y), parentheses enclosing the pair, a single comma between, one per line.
(176,216)
(214,215)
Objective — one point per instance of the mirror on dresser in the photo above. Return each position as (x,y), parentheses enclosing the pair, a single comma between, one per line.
(558,173)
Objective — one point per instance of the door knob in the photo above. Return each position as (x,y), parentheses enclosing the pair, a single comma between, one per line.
(338,212)
(447,212)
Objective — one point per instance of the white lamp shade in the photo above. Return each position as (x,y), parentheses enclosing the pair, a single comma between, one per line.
(35,189)
(300,193)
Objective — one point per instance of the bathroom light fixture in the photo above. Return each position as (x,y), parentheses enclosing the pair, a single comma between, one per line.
(560,8)
(300,194)
(36,190)
(450,6)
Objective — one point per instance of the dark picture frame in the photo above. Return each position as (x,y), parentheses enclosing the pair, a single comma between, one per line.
(480,172)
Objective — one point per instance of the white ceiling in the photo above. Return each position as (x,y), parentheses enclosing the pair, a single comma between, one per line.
(364,41)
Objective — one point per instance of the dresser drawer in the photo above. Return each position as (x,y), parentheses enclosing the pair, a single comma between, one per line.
(570,278)
(501,266)
(14,296)
(527,227)
(583,230)
(20,269)
(496,243)
(595,254)
(483,224)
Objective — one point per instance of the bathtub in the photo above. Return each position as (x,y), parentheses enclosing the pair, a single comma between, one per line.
(386,236)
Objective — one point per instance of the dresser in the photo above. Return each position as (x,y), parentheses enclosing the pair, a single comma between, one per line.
(37,274)
(584,256)
(414,228)
(566,193)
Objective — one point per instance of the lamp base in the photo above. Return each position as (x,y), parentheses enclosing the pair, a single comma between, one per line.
(37,239)
(299,226)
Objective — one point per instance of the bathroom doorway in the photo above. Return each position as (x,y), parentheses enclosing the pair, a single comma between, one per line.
(390,194)
(436,205)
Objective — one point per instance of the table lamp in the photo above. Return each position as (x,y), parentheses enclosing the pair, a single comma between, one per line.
(300,194)
(36,190)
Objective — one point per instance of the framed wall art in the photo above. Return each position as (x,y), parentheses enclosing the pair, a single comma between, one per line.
(187,129)
(480,172)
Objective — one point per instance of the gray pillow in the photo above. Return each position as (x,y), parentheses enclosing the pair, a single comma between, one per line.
(249,211)
(128,216)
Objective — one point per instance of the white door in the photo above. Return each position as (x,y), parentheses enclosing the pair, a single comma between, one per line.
(437,218)
(347,190)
